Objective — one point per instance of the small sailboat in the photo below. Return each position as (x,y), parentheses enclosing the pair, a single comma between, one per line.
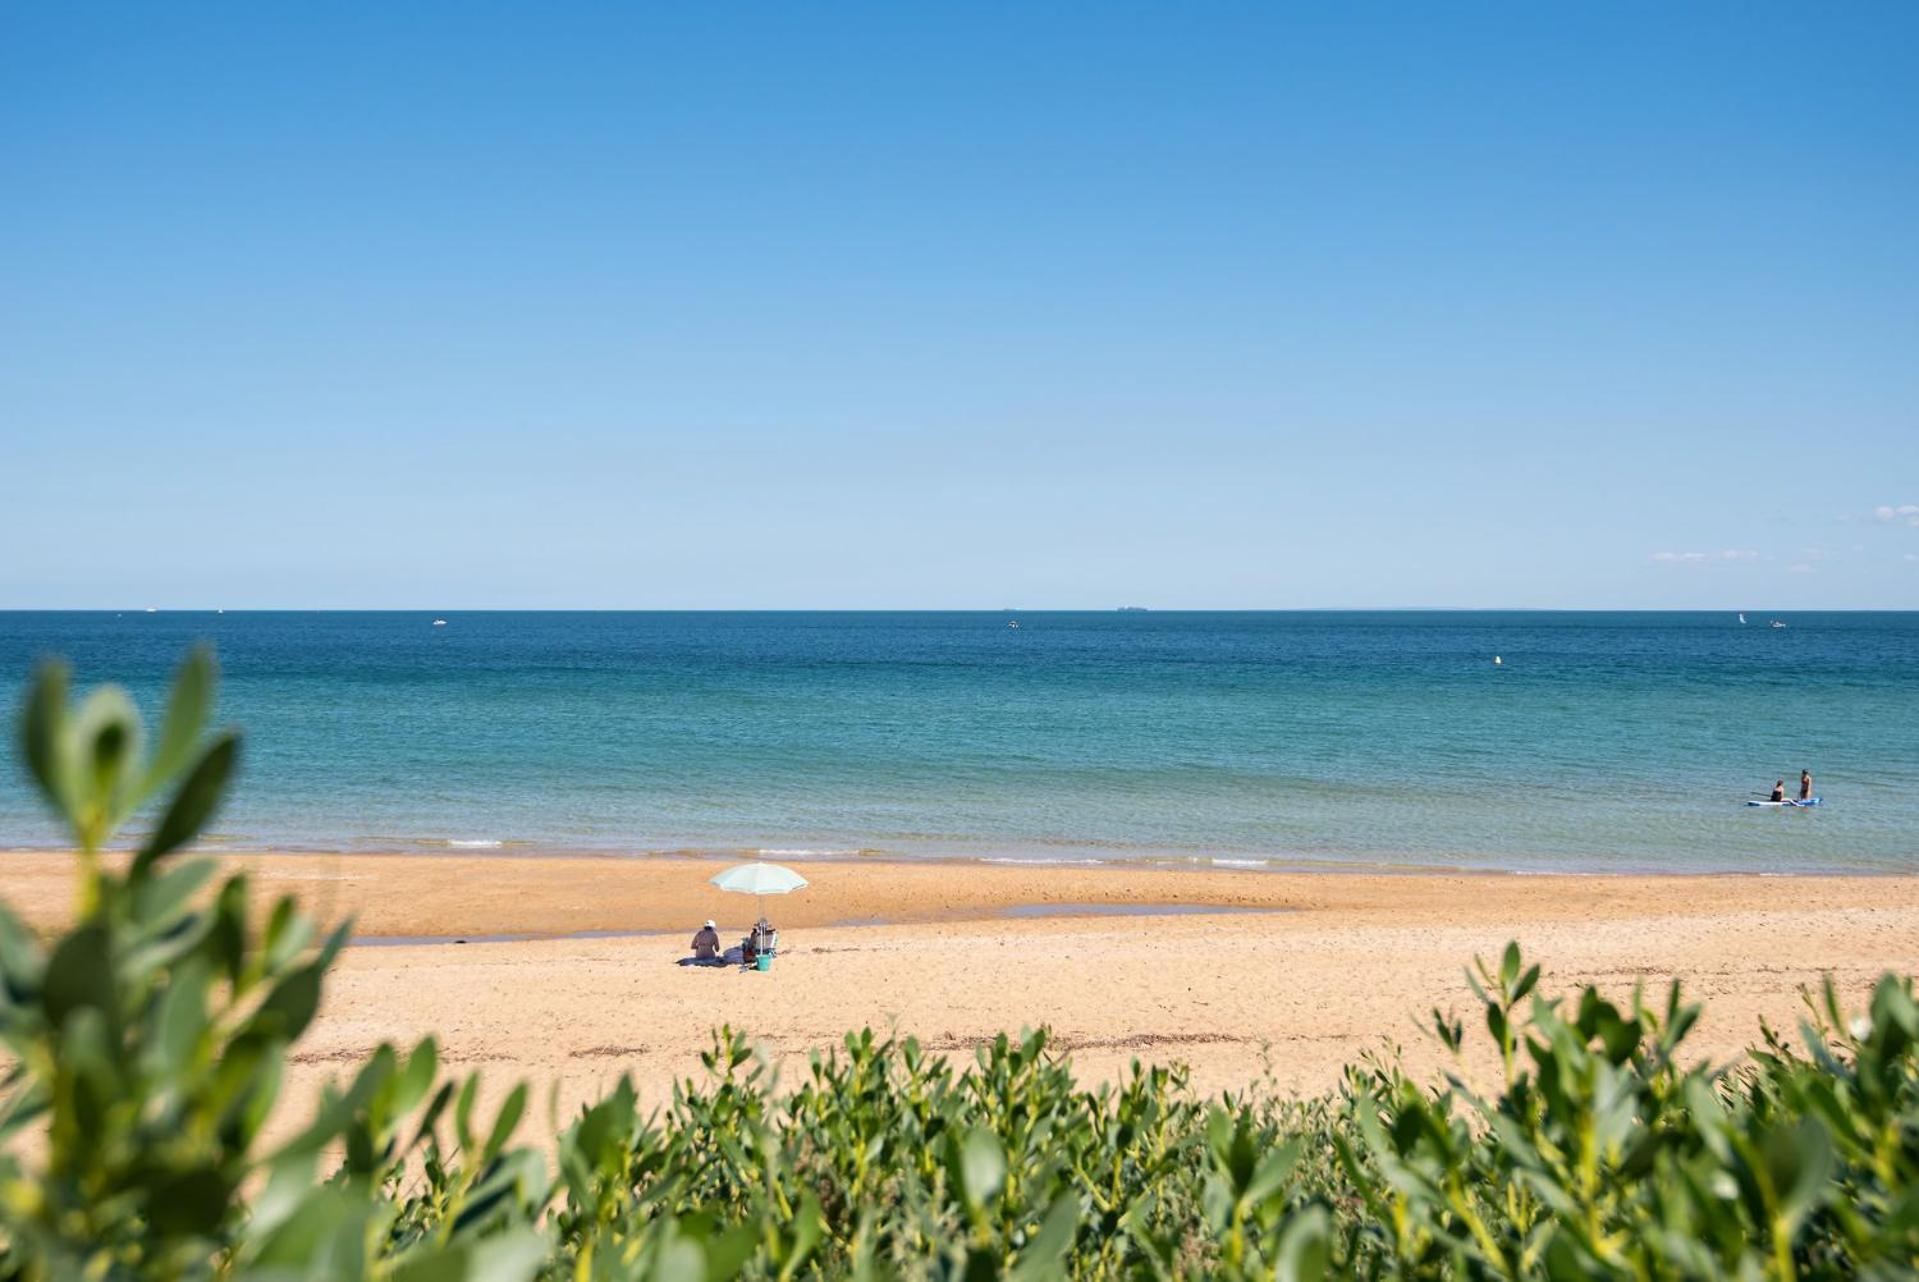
(1742,618)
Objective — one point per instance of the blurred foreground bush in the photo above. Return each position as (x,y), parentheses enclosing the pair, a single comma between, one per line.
(147,1043)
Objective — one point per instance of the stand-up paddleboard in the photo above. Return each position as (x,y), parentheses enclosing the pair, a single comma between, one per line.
(1809,801)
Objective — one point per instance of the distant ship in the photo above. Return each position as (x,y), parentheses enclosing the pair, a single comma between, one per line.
(1132,609)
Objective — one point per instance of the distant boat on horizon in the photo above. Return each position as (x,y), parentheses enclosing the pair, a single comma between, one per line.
(1775,624)
(1132,609)
(439,623)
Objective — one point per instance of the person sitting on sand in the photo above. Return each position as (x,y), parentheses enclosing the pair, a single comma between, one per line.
(1805,785)
(1779,791)
(706,943)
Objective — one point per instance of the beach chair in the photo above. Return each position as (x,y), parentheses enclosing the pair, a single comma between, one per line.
(752,955)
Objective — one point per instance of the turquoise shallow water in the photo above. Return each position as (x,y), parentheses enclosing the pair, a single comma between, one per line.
(1604,742)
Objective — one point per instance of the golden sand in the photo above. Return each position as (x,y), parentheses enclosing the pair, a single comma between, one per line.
(1344,964)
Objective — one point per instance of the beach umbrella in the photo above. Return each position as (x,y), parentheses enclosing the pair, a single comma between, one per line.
(759,880)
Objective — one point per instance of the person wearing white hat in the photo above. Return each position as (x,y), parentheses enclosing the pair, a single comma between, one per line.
(706,944)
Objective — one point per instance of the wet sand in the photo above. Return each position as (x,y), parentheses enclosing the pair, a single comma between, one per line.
(1302,975)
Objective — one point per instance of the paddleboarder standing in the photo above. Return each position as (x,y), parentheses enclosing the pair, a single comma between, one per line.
(1805,785)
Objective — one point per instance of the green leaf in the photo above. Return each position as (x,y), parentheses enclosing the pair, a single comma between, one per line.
(728,1252)
(323,1236)
(80,976)
(1565,1262)
(289,1181)
(157,901)
(330,947)
(463,1111)
(261,1090)
(83,1112)
(980,1168)
(186,716)
(1044,1255)
(292,1004)
(809,1225)
(42,726)
(1305,1247)
(287,932)
(183,1015)
(193,803)
(1271,1173)
(512,1256)
(678,1260)
(417,1078)
(106,733)
(228,938)
(430,1115)
(22,962)
(193,1201)
(503,1125)
(1800,1162)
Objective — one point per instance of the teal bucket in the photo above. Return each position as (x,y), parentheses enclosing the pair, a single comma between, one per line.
(763,962)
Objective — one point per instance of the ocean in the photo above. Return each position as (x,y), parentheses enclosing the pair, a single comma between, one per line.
(1602,742)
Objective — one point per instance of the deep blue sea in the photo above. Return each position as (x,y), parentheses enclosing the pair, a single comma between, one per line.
(1603,742)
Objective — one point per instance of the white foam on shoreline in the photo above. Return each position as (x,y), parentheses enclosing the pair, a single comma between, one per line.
(1042,860)
(805,853)
(478,843)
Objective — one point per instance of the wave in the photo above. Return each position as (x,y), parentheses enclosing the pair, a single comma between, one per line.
(1040,860)
(803,852)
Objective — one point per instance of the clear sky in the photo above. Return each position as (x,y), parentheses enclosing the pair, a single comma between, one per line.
(968,305)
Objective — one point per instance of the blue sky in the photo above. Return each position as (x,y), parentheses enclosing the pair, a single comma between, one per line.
(959,305)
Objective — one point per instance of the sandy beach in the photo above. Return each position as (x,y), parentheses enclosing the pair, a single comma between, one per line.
(1291,977)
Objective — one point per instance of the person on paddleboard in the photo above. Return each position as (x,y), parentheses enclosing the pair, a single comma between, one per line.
(1779,791)
(1805,785)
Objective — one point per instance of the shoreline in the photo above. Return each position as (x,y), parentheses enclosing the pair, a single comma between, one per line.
(1288,866)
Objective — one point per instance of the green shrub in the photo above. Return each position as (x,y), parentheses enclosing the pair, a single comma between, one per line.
(148,1044)
(148,1041)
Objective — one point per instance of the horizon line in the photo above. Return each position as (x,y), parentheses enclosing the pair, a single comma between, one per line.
(1002,610)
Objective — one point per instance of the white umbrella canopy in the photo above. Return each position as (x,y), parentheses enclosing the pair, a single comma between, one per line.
(759,879)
